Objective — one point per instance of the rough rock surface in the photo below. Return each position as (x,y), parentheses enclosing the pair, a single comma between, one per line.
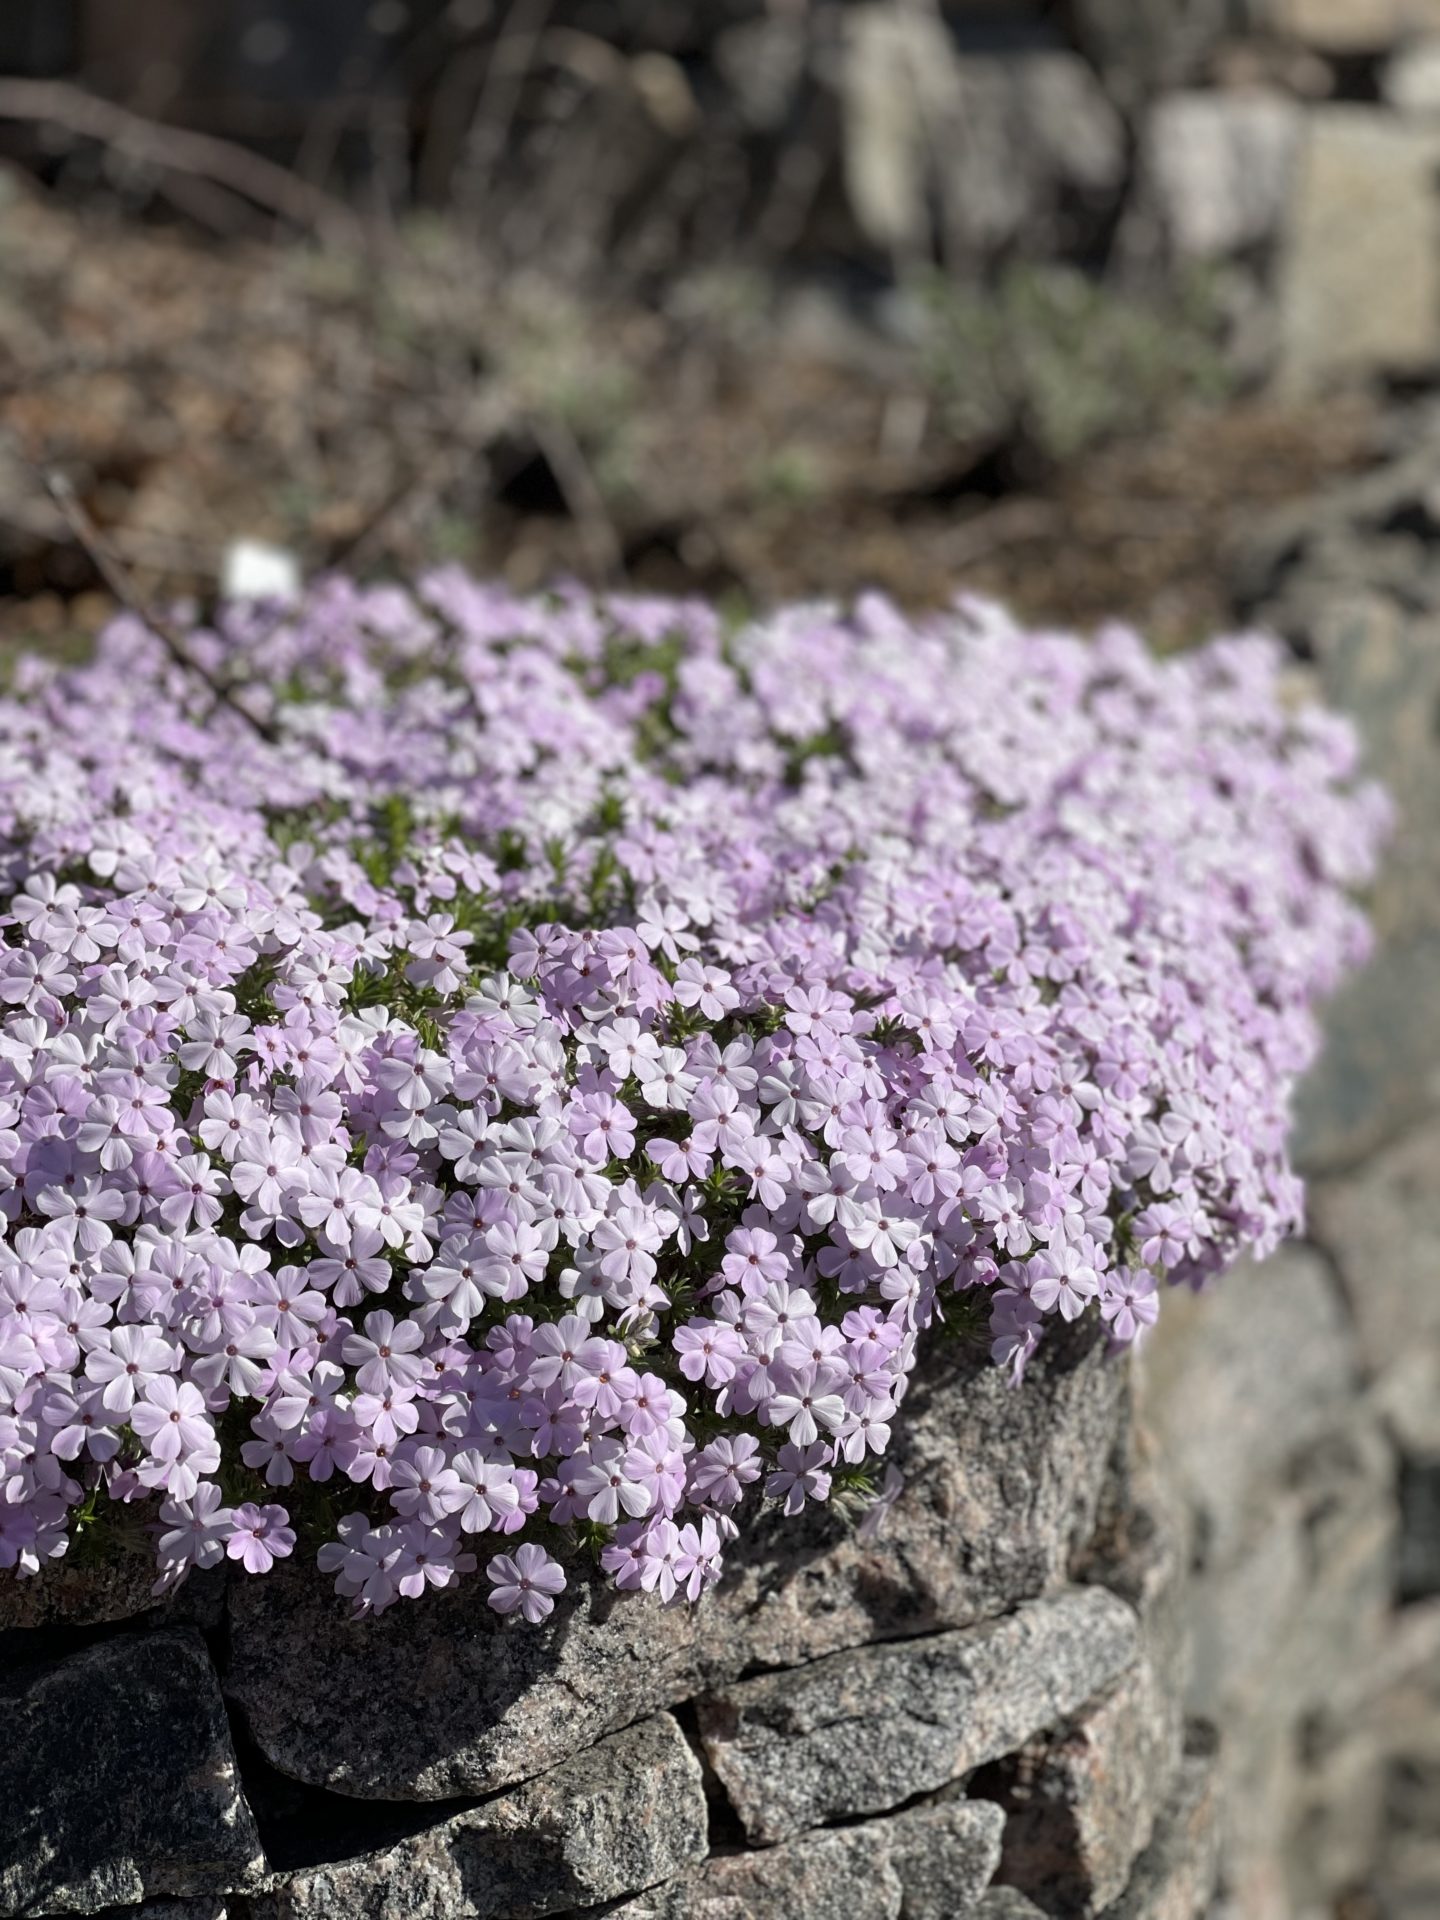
(944,1855)
(78,1596)
(1002,1490)
(167,1909)
(1244,1377)
(1292,1586)
(623,1816)
(824,1876)
(1377,652)
(1353,578)
(118,1779)
(1174,1878)
(1006,1903)
(1144,1554)
(860,1732)
(931,1863)
(1081,1801)
(1382,1226)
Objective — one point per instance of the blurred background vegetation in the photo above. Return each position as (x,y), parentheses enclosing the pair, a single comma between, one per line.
(749,297)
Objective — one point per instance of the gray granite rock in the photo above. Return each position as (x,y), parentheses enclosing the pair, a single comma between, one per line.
(118,1779)
(1242,1607)
(78,1596)
(119,1588)
(1407,1399)
(1007,1903)
(1336,1835)
(1355,577)
(1081,1803)
(930,1863)
(167,1909)
(1346,1487)
(1377,653)
(1143,1554)
(1239,1380)
(444,1699)
(1382,1227)
(1379,1074)
(1291,1481)
(627,1814)
(822,1876)
(1174,1879)
(944,1856)
(861,1732)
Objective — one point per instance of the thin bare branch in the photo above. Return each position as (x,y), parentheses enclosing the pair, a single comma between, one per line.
(118,581)
(513,56)
(177,149)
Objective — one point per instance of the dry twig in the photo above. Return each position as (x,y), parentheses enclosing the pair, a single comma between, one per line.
(511,60)
(118,581)
(178,150)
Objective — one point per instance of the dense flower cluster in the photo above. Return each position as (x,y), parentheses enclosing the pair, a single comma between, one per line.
(544,1080)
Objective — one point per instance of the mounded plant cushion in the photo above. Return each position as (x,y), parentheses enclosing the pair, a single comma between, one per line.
(501,1078)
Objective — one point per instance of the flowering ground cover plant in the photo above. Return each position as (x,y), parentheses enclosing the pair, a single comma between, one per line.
(536,1088)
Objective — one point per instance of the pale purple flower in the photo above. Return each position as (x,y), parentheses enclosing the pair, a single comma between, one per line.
(171,1418)
(527,1580)
(722,1470)
(259,1537)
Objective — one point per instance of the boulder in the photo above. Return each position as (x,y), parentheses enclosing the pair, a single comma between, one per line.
(442,1698)
(898,75)
(1010,147)
(1353,26)
(622,1816)
(118,1780)
(1411,80)
(1365,216)
(1218,167)
(861,1732)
